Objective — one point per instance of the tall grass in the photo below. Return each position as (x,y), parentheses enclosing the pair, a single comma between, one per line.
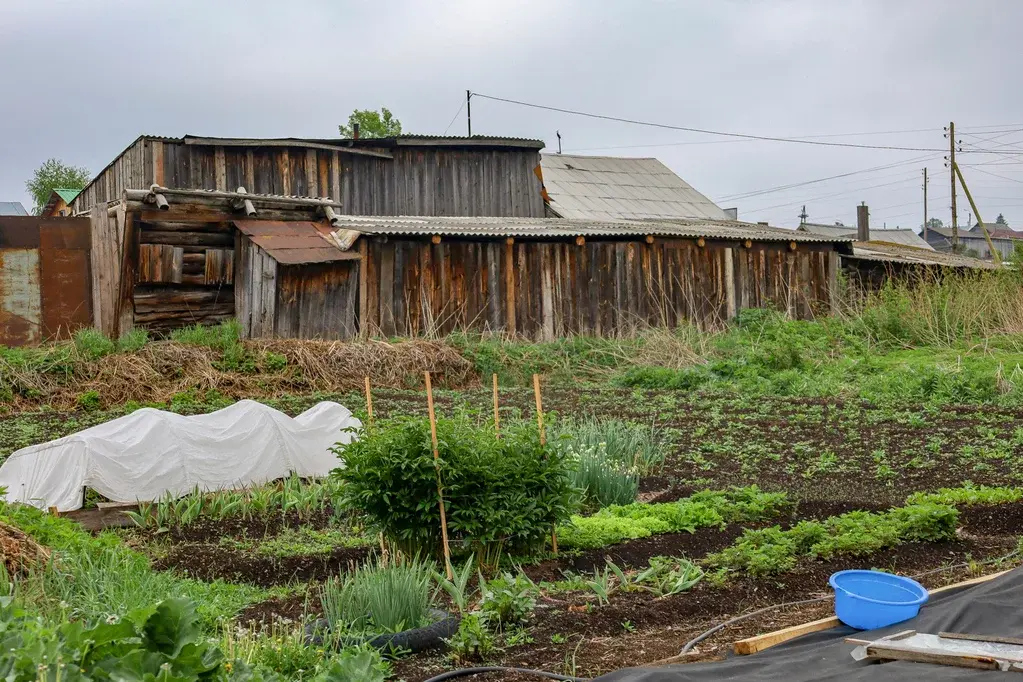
(378,597)
(940,310)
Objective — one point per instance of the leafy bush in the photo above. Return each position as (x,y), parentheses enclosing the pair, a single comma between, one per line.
(508,600)
(499,494)
(377,598)
(773,550)
(90,400)
(968,495)
(473,641)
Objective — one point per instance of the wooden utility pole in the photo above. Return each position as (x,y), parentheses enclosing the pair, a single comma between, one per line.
(952,174)
(995,255)
(468,112)
(925,203)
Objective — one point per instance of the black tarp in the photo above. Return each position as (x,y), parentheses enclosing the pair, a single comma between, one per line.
(991,608)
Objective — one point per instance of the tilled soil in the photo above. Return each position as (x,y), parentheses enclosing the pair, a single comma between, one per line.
(212,562)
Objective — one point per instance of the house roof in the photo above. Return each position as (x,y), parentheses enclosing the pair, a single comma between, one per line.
(613,188)
(946,232)
(899,253)
(12,208)
(906,237)
(295,241)
(66,195)
(543,228)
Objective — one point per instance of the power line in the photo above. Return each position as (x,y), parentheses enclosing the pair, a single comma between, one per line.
(996,175)
(454,117)
(835,194)
(766,138)
(781,188)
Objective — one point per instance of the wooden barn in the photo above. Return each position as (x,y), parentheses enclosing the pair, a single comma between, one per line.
(296,267)
(409,175)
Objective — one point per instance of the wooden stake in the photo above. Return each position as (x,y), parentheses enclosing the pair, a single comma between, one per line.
(369,402)
(440,490)
(54,512)
(539,409)
(497,417)
(543,441)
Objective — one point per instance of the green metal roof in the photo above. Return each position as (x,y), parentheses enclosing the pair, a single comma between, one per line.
(68,195)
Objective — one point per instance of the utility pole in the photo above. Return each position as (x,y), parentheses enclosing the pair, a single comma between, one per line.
(925,203)
(803,216)
(558,133)
(952,175)
(468,113)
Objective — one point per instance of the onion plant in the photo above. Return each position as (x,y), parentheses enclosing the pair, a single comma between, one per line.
(378,598)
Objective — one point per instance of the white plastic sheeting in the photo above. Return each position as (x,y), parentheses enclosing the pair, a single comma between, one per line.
(148,453)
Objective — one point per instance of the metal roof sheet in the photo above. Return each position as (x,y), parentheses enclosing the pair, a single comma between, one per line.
(68,195)
(543,228)
(294,242)
(613,188)
(899,253)
(905,237)
(12,208)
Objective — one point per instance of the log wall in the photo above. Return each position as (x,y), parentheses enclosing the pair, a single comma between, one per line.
(543,290)
(419,180)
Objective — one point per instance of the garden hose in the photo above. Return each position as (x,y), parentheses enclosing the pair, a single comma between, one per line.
(465,672)
(720,626)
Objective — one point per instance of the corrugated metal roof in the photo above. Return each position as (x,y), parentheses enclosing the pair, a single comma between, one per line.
(898,253)
(541,228)
(613,188)
(12,208)
(388,142)
(906,237)
(294,242)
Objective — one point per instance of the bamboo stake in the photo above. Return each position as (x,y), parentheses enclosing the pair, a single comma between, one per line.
(440,490)
(369,402)
(497,418)
(543,441)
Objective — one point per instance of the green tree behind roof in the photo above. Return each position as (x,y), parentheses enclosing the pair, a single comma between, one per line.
(371,124)
(54,174)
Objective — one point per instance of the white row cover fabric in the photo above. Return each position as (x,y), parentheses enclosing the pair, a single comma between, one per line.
(148,453)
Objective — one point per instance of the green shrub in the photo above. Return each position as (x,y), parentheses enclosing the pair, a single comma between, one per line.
(968,495)
(89,400)
(499,494)
(92,344)
(473,642)
(508,600)
(377,598)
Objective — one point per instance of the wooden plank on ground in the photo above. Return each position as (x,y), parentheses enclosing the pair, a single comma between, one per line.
(752,645)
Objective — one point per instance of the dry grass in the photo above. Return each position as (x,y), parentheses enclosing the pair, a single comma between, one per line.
(161,369)
(20,552)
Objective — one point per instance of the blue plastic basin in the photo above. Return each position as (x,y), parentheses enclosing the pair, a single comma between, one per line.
(867,600)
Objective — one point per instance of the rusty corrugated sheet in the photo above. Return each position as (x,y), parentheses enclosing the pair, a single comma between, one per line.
(293,242)
(65,283)
(20,315)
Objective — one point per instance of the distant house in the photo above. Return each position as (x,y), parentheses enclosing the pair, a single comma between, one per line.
(12,208)
(905,237)
(59,202)
(614,188)
(1004,240)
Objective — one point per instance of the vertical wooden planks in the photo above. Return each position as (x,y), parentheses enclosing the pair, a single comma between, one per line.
(220,169)
(363,288)
(387,296)
(729,275)
(509,284)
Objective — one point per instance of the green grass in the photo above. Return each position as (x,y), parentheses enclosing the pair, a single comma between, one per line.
(378,598)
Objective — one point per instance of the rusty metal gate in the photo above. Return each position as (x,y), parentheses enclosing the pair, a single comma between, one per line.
(45,282)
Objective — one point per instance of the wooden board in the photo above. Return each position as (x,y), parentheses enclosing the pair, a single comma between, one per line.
(752,645)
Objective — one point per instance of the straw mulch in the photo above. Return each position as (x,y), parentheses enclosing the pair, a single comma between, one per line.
(20,552)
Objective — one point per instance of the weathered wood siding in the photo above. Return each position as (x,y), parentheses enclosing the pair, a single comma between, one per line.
(255,288)
(317,300)
(182,272)
(547,289)
(421,180)
(133,169)
(45,288)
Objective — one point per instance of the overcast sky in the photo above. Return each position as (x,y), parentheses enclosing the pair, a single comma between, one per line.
(79,80)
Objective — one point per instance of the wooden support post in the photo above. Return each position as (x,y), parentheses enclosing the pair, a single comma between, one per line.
(509,285)
(729,275)
(440,489)
(369,402)
(364,312)
(543,441)
(53,511)
(497,416)
(580,240)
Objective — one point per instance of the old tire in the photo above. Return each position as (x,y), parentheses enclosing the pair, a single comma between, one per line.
(442,626)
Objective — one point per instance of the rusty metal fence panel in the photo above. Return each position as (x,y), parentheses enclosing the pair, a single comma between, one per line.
(45,285)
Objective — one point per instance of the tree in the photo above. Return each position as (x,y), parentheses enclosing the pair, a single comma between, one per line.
(54,174)
(371,124)
(933,223)
(1000,220)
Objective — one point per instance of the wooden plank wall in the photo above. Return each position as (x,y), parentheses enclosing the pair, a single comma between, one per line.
(544,290)
(417,181)
(182,272)
(318,300)
(255,288)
